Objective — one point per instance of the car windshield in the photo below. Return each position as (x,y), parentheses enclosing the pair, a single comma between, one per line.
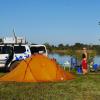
(5,49)
(40,49)
(19,49)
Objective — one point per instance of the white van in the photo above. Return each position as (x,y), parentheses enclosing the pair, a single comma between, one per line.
(11,55)
(4,53)
(40,49)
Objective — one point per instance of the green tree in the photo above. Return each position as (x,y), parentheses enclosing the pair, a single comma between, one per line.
(61,46)
(48,46)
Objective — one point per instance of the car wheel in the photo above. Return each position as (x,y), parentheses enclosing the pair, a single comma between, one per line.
(14,65)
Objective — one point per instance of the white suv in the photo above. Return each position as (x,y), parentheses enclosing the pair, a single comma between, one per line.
(11,55)
(40,49)
(4,53)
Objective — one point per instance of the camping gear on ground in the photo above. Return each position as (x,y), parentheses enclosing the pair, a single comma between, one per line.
(73,62)
(37,68)
(79,70)
(67,64)
(94,67)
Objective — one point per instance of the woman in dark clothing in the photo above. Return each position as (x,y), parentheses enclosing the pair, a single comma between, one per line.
(10,58)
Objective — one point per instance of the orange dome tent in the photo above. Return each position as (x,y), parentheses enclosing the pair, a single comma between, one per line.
(37,68)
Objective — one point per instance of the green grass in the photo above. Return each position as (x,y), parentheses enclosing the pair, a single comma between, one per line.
(82,88)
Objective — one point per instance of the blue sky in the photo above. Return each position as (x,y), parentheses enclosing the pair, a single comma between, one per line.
(52,21)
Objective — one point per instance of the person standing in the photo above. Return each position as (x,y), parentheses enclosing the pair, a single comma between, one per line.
(84,61)
(85,52)
(10,58)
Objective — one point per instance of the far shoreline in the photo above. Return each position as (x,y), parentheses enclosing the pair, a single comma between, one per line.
(78,53)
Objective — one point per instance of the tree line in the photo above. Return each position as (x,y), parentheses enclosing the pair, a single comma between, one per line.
(76,46)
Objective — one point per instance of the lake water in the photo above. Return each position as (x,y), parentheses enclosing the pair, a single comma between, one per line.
(61,59)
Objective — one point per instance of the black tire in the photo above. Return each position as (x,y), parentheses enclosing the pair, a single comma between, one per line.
(14,65)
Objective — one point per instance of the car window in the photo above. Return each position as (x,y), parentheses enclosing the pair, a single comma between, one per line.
(5,49)
(19,49)
(37,49)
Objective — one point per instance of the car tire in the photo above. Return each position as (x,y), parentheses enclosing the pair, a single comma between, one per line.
(14,65)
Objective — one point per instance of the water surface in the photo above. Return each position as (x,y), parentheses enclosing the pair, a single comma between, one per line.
(61,59)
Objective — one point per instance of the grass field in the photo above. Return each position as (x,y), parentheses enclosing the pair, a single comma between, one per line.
(82,88)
